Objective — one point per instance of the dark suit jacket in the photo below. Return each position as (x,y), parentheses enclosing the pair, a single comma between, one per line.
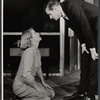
(83,18)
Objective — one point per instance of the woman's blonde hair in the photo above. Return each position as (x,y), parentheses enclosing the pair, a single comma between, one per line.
(25,39)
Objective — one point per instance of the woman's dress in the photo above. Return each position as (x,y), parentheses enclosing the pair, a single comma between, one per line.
(29,65)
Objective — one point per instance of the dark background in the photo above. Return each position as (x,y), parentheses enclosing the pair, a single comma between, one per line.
(20,15)
(7,27)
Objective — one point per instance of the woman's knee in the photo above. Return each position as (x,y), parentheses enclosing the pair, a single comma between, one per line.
(47,98)
(52,95)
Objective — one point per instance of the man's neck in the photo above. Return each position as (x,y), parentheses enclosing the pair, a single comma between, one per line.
(63,14)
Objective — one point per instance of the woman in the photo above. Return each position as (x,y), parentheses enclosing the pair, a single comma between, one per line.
(25,85)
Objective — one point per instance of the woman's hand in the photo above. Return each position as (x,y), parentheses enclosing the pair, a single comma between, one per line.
(18,43)
(94,55)
(46,85)
(41,91)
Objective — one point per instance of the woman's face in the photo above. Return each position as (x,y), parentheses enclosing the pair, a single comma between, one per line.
(35,37)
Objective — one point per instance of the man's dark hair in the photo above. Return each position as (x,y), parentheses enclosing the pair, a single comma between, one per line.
(51,3)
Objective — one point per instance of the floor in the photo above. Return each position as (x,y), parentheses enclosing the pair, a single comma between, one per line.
(62,86)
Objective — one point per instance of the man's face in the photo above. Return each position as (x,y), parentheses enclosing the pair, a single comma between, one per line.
(53,14)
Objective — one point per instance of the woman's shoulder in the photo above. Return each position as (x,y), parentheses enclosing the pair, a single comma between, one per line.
(28,51)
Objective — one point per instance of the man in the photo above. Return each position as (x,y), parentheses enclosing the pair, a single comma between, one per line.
(82,18)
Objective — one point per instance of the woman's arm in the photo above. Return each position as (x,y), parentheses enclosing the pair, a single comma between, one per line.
(27,62)
(39,74)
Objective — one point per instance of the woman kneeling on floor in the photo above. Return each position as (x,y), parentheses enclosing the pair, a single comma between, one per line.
(25,85)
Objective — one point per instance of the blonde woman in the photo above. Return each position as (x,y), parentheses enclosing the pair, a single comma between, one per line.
(25,85)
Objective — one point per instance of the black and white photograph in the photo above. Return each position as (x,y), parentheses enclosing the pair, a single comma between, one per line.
(49,49)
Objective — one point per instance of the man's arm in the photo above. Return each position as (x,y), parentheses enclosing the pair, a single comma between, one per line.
(81,20)
(79,16)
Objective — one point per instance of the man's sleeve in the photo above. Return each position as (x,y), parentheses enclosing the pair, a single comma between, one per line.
(81,20)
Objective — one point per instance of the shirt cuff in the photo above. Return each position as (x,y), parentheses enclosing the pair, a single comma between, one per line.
(82,44)
(92,49)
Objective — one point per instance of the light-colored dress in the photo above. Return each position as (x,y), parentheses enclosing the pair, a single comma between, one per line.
(29,65)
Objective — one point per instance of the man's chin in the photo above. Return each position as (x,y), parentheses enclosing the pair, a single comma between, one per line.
(40,39)
(57,18)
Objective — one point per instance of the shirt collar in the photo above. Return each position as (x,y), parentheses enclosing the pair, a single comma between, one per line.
(64,15)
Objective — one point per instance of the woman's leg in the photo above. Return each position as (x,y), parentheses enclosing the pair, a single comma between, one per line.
(46,98)
(26,91)
(30,92)
(50,92)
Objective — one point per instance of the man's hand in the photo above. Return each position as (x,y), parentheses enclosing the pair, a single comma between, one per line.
(94,54)
(84,49)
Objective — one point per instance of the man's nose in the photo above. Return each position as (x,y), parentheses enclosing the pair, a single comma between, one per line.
(37,33)
(50,17)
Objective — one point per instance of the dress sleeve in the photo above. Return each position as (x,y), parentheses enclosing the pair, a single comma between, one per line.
(28,61)
(81,20)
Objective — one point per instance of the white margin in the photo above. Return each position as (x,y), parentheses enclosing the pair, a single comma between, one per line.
(2,49)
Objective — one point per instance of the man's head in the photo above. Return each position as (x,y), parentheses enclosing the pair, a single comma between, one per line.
(53,10)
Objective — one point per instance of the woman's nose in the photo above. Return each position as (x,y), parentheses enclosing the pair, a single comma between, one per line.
(38,34)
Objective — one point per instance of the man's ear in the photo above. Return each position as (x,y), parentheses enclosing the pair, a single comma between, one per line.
(30,39)
(56,8)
